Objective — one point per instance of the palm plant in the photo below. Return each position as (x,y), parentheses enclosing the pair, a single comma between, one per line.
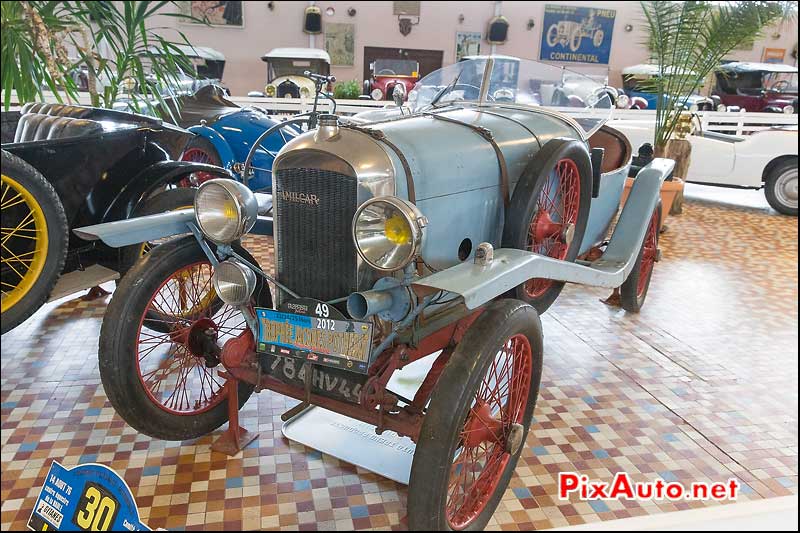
(688,39)
(114,41)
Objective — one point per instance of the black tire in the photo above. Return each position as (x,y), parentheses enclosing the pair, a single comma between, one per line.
(19,176)
(633,291)
(783,174)
(168,200)
(451,410)
(525,205)
(119,357)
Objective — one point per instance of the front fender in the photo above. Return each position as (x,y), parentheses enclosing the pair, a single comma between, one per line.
(154,227)
(151,178)
(478,284)
(224,149)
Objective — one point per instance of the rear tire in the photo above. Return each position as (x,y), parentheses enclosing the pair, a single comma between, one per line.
(633,291)
(532,200)
(780,188)
(35,249)
(126,343)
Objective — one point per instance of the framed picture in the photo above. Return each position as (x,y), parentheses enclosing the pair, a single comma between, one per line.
(773,55)
(577,34)
(220,13)
(468,43)
(340,43)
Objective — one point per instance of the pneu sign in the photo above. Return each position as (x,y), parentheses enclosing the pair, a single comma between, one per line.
(577,34)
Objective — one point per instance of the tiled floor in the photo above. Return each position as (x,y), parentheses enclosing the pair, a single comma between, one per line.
(702,385)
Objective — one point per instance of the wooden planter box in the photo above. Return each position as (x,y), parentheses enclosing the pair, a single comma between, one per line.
(669,190)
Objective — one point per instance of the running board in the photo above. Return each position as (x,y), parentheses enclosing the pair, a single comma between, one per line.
(79,280)
(479,282)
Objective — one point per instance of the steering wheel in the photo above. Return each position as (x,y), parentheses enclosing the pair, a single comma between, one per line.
(779,86)
(386,72)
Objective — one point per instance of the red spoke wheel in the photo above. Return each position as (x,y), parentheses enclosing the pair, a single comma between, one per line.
(200,150)
(477,421)
(548,213)
(552,226)
(164,382)
(633,292)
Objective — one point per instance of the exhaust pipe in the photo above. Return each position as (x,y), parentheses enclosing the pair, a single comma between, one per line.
(361,305)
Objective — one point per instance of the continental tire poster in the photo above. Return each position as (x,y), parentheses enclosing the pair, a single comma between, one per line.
(577,34)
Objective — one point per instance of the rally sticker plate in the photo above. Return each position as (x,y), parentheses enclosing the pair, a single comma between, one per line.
(88,497)
(316,337)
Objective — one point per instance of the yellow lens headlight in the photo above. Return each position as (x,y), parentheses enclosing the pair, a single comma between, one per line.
(397,230)
(305,92)
(225,209)
(388,232)
(269,90)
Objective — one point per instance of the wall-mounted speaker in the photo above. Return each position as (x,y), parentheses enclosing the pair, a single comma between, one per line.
(498,30)
(312,22)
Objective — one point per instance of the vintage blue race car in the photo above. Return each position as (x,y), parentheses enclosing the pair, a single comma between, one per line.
(442,229)
(225,133)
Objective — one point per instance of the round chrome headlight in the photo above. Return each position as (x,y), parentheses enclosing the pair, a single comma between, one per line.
(305,92)
(388,232)
(269,90)
(225,210)
(376,94)
(722,108)
(234,282)
(623,101)
(788,109)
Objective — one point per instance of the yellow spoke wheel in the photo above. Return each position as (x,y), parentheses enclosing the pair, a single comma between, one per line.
(24,241)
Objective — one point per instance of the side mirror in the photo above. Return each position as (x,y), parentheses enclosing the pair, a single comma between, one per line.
(399,94)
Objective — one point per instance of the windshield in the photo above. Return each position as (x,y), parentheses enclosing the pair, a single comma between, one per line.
(395,67)
(295,67)
(515,81)
(782,82)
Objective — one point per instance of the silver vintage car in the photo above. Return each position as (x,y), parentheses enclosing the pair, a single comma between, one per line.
(443,227)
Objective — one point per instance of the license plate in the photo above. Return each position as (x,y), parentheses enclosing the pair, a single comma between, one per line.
(337,343)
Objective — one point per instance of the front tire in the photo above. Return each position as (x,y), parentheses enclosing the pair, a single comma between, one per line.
(633,291)
(477,421)
(153,379)
(548,213)
(34,238)
(780,188)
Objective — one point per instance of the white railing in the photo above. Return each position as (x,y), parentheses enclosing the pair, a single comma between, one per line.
(740,123)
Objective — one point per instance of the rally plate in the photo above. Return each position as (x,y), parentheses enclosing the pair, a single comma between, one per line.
(315,337)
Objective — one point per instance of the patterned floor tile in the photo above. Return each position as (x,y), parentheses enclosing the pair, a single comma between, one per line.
(701,386)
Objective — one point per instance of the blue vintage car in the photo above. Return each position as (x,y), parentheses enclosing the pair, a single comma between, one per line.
(442,229)
(225,133)
(637,82)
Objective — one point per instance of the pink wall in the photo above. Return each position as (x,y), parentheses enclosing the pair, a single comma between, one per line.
(375,25)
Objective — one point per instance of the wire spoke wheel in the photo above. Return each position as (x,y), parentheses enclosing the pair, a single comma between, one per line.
(649,254)
(491,432)
(24,241)
(552,226)
(174,372)
(199,155)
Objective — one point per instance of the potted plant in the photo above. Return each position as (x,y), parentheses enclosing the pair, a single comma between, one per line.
(134,53)
(686,41)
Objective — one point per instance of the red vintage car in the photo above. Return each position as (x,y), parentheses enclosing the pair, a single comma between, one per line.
(758,87)
(388,73)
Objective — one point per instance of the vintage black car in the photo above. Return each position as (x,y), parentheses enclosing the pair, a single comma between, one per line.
(69,166)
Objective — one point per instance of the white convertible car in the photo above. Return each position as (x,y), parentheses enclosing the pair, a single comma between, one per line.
(766,159)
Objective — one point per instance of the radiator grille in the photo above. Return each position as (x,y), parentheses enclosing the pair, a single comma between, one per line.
(316,257)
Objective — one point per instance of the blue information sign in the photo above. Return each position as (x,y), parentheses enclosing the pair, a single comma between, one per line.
(577,34)
(89,497)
